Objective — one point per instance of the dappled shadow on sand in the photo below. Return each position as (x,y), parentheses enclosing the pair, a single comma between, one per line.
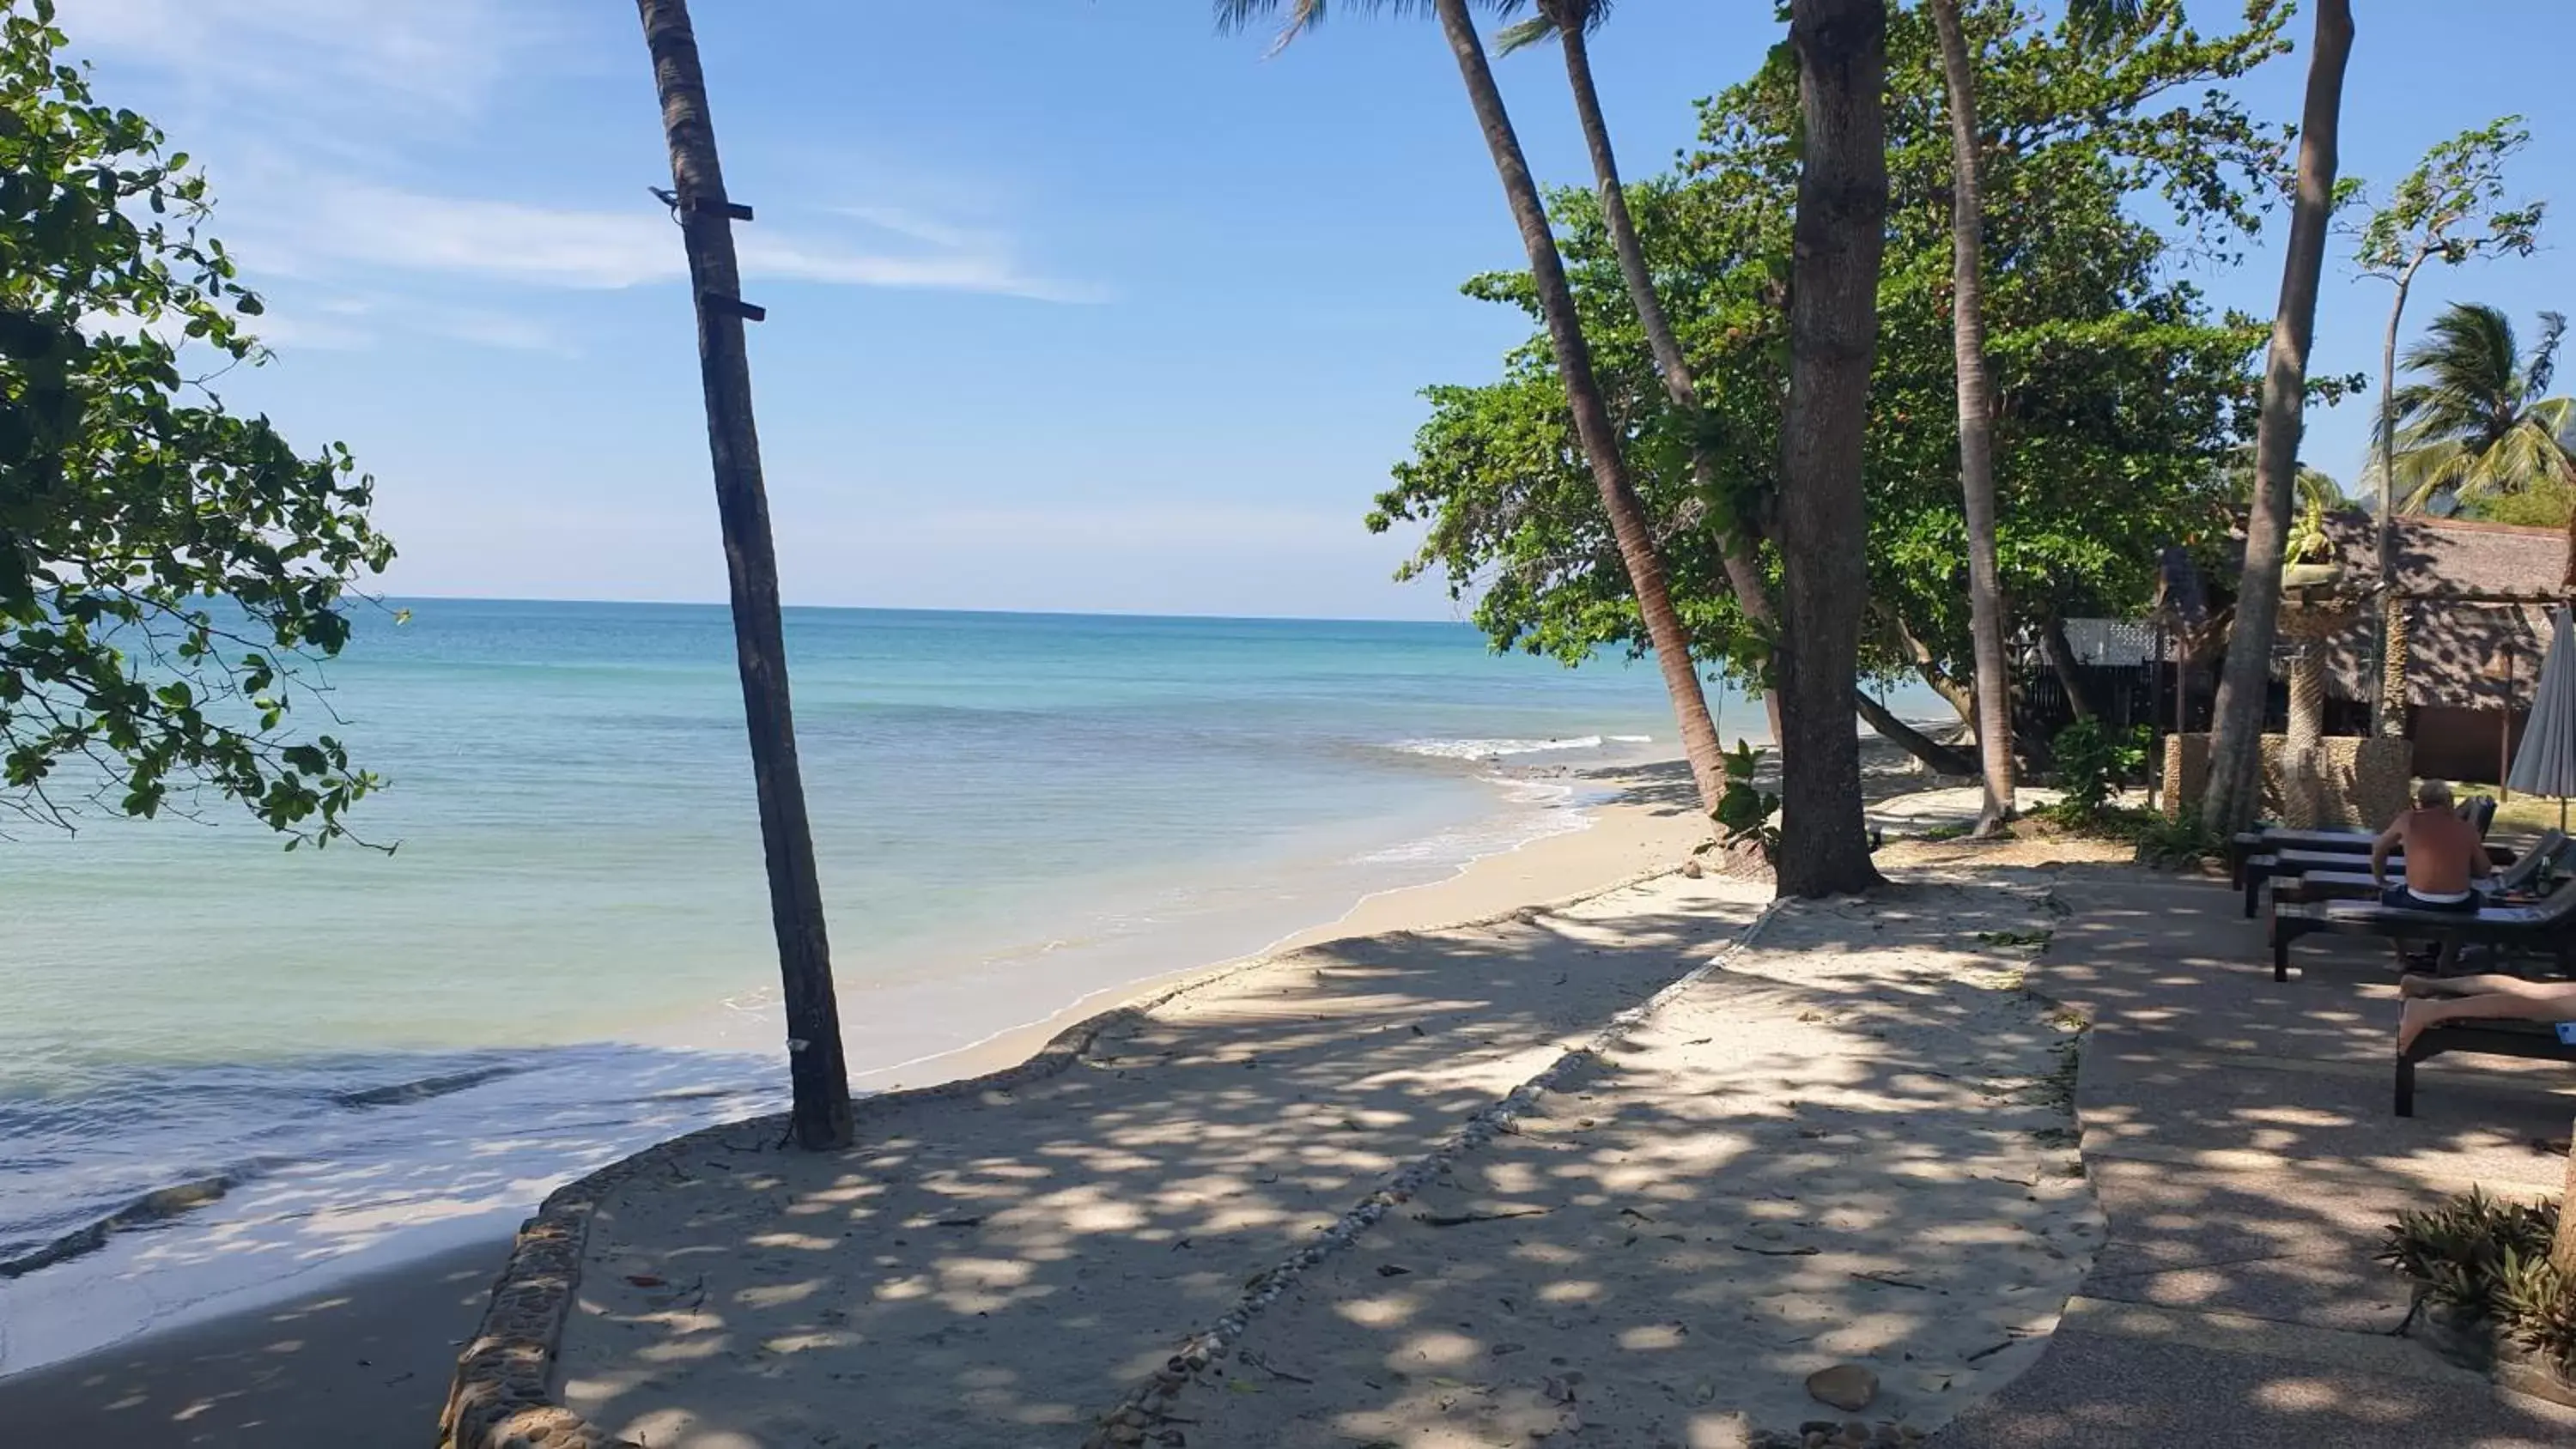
(2241,1139)
(361,1362)
(995,1270)
(1850,1146)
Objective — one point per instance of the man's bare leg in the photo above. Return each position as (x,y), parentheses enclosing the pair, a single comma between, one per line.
(2419,984)
(2528,1001)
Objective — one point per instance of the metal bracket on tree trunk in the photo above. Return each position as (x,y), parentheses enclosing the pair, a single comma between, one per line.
(737,306)
(718,206)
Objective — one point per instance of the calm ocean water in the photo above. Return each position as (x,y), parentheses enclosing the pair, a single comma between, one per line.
(568,957)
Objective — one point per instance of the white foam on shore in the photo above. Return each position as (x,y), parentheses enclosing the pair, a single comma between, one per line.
(1498,749)
(363,1185)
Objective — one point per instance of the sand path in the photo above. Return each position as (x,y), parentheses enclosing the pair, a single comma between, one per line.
(997,1271)
(1850,1145)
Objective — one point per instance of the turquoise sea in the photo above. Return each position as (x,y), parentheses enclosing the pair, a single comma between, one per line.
(355,1055)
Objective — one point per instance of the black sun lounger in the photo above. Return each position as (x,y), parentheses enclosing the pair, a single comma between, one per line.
(2538,867)
(2503,1038)
(2245,845)
(2546,924)
(2280,863)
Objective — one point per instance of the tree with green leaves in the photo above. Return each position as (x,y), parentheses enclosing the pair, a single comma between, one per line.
(170,571)
(2235,785)
(2479,424)
(2449,209)
(2119,398)
(1639,551)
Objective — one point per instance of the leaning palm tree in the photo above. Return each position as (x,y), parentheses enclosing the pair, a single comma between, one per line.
(2480,423)
(2234,790)
(1592,425)
(1571,23)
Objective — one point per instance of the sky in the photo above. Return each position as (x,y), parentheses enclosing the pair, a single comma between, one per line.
(1073,304)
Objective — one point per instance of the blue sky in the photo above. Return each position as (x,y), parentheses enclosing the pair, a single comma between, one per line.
(1072,305)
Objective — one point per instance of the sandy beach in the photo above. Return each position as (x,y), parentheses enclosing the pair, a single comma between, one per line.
(265,1377)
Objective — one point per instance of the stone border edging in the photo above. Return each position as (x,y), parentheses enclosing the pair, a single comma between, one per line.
(1126,1423)
(502,1395)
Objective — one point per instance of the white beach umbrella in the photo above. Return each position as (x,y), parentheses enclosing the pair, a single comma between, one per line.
(2546,763)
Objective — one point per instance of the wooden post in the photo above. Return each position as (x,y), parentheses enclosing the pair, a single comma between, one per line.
(814,1064)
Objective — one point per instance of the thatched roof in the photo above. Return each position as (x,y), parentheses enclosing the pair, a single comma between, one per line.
(2471,588)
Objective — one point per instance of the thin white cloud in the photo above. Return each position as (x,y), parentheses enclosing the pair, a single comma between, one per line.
(450,53)
(384,227)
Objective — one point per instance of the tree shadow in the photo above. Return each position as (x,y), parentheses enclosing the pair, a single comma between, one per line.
(997,1268)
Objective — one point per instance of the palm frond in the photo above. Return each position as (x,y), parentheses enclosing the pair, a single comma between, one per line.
(1296,17)
(2100,22)
(2474,425)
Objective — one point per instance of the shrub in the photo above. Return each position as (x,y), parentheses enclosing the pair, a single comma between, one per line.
(2488,1260)
(2093,761)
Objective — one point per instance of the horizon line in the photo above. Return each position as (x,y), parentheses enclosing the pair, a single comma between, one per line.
(393,596)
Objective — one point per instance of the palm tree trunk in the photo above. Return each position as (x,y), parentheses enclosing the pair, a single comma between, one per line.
(2235,756)
(2562,1247)
(1976,423)
(1736,539)
(1592,427)
(821,1080)
(1838,239)
(2387,532)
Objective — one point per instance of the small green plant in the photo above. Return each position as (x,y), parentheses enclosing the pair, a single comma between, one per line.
(1744,812)
(2093,761)
(2487,1259)
(1943,832)
(2177,840)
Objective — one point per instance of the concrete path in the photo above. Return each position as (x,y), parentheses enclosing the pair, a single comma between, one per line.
(1849,1149)
(995,1271)
(2239,1136)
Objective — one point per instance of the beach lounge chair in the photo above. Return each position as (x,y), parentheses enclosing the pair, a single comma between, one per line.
(2548,924)
(2280,863)
(2245,845)
(2537,870)
(2532,1039)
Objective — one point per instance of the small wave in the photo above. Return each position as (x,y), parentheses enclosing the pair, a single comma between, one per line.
(157,1206)
(1631,739)
(1493,749)
(404,1093)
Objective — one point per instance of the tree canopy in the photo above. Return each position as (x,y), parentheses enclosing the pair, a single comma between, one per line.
(2120,393)
(170,571)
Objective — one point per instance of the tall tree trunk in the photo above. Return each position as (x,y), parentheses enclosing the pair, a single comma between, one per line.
(2236,754)
(1592,426)
(1838,238)
(1976,423)
(1736,540)
(2070,675)
(815,1067)
(2387,531)
(2562,1248)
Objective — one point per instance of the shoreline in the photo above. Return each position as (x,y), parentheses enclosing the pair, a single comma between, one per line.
(1638,830)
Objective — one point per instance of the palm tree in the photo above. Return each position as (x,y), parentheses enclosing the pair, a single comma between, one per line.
(2480,423)
(821,1081)
(1570,23)
(1986,605)
(2235,754)
(1592,425)
(1838,241)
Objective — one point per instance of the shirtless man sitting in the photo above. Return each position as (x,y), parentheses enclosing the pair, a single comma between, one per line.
(2443,854)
